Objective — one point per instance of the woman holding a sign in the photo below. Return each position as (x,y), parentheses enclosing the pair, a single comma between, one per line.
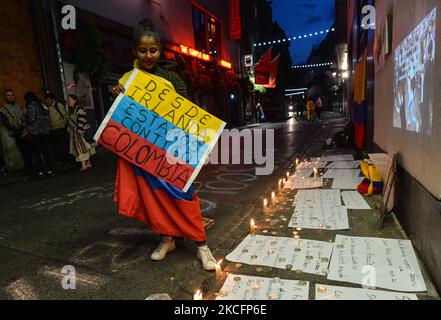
(166,209)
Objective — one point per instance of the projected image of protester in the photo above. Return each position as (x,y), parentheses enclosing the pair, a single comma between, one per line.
(414,72)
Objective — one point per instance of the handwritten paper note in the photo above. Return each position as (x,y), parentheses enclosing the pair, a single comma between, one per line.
(354,200)
(320,218)
(344,165)
(304,183)
(319,164)
(238,287)
(341,157)
(323,198)
(341,173)
(304,256)
(383,263)
(347,183)
(325,292)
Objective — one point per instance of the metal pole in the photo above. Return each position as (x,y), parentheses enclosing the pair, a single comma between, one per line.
(53,16)
(36,14)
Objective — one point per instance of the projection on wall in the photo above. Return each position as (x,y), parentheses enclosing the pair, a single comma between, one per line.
(414,74)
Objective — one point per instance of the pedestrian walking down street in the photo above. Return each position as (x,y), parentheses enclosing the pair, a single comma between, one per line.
(78,126)
(319,108)
(12,117)
(164,208)
(38,125)
(310,110)
(59,135)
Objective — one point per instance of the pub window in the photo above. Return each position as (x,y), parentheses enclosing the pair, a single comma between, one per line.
(200,30)
(213,37)
(207,33)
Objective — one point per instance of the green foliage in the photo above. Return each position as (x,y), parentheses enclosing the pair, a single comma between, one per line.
(90,58)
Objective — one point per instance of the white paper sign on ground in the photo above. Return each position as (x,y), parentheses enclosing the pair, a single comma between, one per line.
(320,164)
(323,197)
(341,157)
(381,263)
(341,173)
(308,256)
(354,200)
(325,292)
(304,183)
(344,165)
(304,173)
(347,183)
(238,287)
(320,218)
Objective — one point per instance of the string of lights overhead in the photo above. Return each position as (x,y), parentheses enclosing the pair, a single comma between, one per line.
(317,65)
(310,35)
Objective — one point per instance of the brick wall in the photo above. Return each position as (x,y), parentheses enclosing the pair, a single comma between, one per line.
(19,56)
(20,68)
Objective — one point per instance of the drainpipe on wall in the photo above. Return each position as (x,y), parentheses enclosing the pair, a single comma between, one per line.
(59,56)
(36,14)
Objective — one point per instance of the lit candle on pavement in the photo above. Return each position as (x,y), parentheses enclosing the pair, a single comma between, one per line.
(297,163)
(273,197)
(287,175)
(219,269)
(198,295)
(315,173)
(252,225)
(265,204)
(280,184)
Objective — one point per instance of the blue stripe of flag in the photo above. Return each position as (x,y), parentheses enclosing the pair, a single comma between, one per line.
(153,128)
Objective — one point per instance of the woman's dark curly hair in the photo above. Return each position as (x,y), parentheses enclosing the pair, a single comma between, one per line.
(145,28)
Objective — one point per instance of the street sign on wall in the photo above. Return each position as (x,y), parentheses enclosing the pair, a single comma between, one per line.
(248,60)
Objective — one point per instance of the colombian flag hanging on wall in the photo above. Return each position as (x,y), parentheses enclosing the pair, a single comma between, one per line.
(360,106)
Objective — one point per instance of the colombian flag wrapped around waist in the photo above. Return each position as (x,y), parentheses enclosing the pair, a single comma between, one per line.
(162,141)
(164,208)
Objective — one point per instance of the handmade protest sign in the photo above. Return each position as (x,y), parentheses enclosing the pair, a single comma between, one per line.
(240,287)
(161,132)
(376,262)
(297,255)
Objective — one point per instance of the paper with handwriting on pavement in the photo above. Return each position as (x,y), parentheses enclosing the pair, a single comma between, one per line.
(344,179)
(322,197)
(325,292)
(308,256)
(354,200)
(319,164)
(304,183)
(381,263)
(320,218)
(344,165)
(341,157)
(239,287)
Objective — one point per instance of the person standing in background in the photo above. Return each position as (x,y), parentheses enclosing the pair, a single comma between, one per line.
(78,126)
(3,169)
(319,108)
(59,136)
(12,117)
(38,125)
(310,110)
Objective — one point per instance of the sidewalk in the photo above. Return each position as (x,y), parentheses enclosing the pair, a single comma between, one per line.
(363,223)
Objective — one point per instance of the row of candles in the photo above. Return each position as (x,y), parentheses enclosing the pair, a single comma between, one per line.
(282,182)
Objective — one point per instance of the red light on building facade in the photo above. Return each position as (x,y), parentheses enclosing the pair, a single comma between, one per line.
(202,56)
(225,64)
(194,53)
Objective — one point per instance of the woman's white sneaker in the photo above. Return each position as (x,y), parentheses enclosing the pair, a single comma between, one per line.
(208,261)
(167,245)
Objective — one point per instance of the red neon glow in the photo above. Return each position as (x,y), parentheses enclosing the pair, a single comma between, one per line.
(225,64)
(194,53)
